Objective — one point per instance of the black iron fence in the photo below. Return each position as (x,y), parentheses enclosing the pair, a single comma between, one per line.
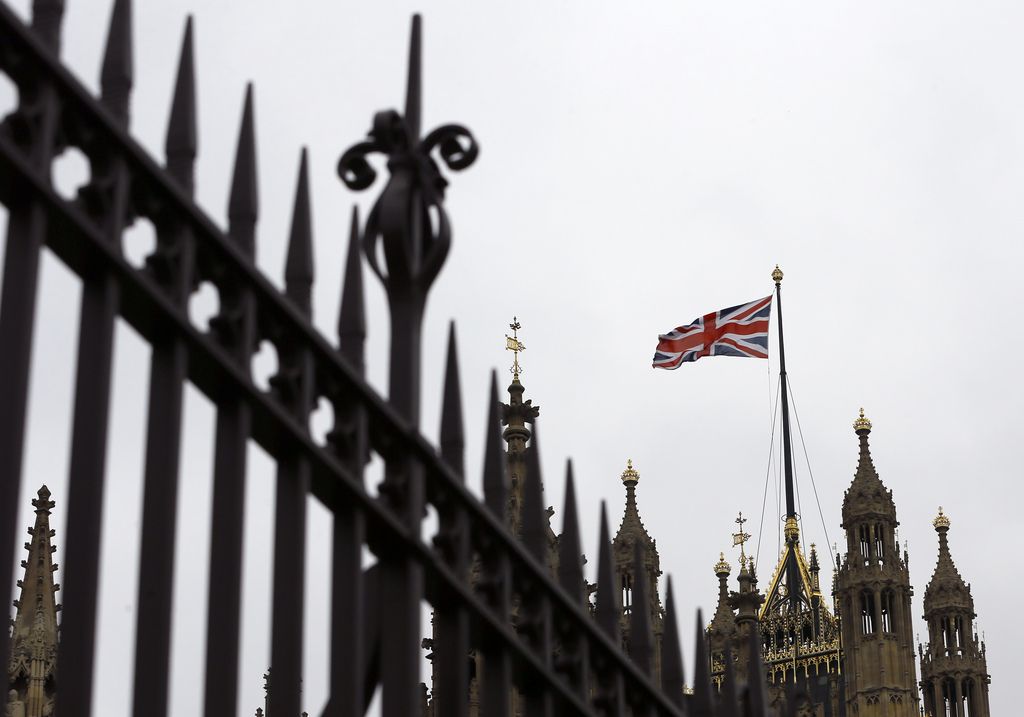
(560,658)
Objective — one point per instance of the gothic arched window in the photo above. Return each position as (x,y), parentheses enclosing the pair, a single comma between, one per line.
(865,544)
(867,612)
(888,608)
(627,593)
(879,543)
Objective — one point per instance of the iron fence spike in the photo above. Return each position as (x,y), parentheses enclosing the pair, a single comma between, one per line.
(182,140)
(609,608)
(534,519)
(495,480)
(702,697)
(352,314)
(641,642)
(298,270)
(243,203)
(414,86)
(452,437)
(673,677)
(117,72)
(570,564)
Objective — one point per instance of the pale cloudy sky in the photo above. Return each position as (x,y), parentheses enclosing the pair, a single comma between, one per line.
(641,164)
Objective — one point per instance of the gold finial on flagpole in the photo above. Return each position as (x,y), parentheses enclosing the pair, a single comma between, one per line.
(513,344)
(777,275)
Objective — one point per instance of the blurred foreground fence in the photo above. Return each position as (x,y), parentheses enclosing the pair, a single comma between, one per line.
(559,654)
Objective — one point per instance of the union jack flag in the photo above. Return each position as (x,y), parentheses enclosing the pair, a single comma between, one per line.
(737,331)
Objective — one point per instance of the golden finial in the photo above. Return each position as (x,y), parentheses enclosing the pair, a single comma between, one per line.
(777,275)
(629,476)
(861,424)
(740,538)
(513,344)
(941,520)
(792,529)
(722,567)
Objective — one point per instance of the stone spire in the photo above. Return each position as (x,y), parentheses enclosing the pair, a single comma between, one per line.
(722,629)
(515,415)
(31,672)
(632,532)
(954,671)
(866,494)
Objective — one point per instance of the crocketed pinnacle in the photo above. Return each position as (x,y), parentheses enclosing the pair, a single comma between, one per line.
(947,587)
(724,621)
(866,495)
(632,527)
(34,633)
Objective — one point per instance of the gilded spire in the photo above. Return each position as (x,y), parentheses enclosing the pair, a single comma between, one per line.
(632,527)
(32,669)
(941,520)
(946,579)
(740,539)
(722,567)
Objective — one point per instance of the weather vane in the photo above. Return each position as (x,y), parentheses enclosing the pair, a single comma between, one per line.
(740,538)
(513,344)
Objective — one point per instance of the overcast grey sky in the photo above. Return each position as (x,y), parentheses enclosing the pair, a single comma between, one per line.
(641,164)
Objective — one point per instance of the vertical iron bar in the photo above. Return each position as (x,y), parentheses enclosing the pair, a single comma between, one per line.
(350,442)
(451,636)
(26,232)
(235,327)
(294,386)
(173,266)
(109,201)
(496,675)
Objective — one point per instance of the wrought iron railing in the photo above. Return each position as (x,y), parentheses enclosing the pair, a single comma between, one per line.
(556,655)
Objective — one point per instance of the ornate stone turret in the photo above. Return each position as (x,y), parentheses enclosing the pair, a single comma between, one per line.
(873,591)
(722,630)
(631,532)
(31,673)
(954,672)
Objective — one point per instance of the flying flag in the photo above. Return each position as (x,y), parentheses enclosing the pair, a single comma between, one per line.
(737,331)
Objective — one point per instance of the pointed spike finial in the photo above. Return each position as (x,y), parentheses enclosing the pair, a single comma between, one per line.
(641,642)
(570,553)
(495,480)
(298,270)
(534,515)
(673,678)
(117,73)
(352,316)
(609,608)
(414,86)
(182,142)
(703,704)
(452,435)
(243,203)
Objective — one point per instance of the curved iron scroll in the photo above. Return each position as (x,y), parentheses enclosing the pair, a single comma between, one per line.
(408,218)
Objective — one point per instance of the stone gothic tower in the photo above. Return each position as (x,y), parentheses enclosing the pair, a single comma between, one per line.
(632,532)
(873,592)
(31,672)
(954,674)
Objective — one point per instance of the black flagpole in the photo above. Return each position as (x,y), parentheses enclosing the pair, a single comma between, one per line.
(787,450)
(792,532)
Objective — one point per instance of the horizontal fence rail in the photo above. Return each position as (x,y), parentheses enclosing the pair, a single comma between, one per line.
(561,655)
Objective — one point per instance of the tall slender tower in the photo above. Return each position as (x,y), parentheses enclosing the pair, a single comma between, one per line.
(873,590)
(632,532)
(954,673)
(31,673)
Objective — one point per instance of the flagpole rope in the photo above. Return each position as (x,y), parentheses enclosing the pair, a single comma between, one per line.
(768,470)
(800,430)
